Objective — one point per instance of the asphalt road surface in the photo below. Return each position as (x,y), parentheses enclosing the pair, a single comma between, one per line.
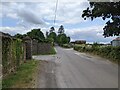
(71,69)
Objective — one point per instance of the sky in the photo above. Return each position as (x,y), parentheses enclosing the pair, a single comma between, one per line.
(22,16)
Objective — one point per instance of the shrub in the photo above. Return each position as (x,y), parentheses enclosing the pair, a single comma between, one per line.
(109,52)
(66,46)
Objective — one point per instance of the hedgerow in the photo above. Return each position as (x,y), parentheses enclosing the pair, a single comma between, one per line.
(110,52)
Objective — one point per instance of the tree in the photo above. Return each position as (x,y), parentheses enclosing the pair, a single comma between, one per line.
(36,34)
(105,10)
(52,29)
(18,36)
(68,39)
(50,40)
(47,33)
(61,30)
(53,36)
(62,39)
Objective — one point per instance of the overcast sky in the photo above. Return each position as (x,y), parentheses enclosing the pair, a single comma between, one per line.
(22,16)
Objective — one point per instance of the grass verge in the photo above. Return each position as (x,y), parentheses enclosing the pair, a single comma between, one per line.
(52,51)
(24,76)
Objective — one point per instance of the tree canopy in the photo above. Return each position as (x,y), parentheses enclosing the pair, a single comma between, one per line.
(18,36)
(51,36)
(52,29)
(62,37)
(36,34)
(105,10)
(61,30)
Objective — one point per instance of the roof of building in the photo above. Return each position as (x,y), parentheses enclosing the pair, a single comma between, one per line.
(80,40)
(116,39)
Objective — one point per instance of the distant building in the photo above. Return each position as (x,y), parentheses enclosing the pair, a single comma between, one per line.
(72,42)
(116,42)
(80,42)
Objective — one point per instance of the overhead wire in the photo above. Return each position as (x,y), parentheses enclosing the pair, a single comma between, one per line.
(55,12)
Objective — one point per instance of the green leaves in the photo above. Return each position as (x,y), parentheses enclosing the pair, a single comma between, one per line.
(61,30)
(53,36)
(105,10)
(109,52)
(62,39)
(36,34)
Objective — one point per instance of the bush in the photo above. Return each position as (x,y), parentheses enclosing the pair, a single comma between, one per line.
(66,46)
(110,52)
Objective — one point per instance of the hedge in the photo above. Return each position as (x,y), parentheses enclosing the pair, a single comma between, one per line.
(110,52)
(66,45)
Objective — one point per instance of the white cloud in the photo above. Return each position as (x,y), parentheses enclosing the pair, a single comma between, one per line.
(23,12)
(30,17)
(13,30)
(20,29)
(62,1)
(90,34)
(68,12)
(40,14)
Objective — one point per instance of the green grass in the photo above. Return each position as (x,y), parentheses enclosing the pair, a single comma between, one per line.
(52,51)
(23,77)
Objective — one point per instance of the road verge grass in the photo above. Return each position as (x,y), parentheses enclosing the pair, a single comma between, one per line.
(52,51)
(24,76)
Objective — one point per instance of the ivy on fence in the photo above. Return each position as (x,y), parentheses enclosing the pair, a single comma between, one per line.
(12,54)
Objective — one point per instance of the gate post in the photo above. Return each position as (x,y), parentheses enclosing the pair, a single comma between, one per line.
(28,46)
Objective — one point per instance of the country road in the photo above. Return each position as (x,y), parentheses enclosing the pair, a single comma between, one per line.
(71,69)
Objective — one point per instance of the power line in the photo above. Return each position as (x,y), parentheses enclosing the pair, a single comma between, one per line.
(55,12)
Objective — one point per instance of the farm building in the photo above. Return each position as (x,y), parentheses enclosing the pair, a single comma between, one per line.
(116,42)
(80,42)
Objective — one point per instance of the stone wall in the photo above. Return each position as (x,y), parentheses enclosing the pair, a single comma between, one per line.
(13,53)
(35,47)
(16,51)
(40,48)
